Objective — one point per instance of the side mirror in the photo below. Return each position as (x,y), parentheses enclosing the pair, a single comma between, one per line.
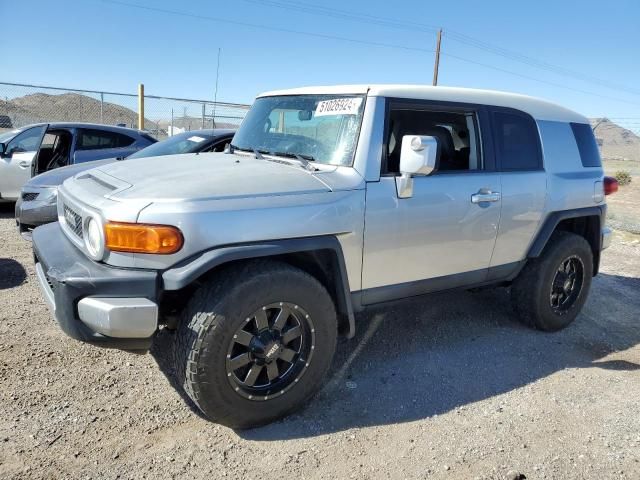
(418,156)
(3,149)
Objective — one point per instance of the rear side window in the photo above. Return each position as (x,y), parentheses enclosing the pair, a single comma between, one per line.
(99,139)
(516,141)
(587,145)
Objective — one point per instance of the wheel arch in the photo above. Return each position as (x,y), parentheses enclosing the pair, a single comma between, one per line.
(586,222)
(321,257)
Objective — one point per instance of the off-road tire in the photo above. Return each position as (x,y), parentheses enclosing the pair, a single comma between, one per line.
(531,290)
(214,314)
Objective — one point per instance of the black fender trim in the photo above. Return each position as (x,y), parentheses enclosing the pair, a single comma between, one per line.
(187,271)
(554,218)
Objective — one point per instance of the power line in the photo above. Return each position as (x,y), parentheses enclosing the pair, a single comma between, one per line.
(265,27)
(452,34)
(355,41)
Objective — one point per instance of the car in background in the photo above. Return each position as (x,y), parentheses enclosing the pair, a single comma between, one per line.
(5,121)
(37,202)
(28,151)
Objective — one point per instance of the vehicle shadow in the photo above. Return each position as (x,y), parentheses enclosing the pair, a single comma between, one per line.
(432,354)
(436,353)
(161,352)
(7,209)
(12,273)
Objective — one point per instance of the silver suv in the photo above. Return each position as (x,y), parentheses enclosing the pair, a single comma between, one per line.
(328,200)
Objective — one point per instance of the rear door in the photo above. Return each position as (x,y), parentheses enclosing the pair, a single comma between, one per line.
(15,165)
(95,144)
(524,182)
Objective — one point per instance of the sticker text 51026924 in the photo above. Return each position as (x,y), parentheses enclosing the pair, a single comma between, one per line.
(338,106)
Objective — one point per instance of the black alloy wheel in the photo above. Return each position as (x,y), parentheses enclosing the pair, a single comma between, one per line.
(566,284)
(270,351)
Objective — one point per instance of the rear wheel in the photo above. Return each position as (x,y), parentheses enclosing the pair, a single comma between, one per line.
(255,343)
(552,289)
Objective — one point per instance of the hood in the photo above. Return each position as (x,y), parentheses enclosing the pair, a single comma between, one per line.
(55,177)
(208,176)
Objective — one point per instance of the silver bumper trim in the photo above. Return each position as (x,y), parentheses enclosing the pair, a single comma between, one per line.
(119,317)
(46,290)
(607,233)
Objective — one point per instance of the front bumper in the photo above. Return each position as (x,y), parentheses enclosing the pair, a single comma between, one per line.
(93,302)
(33,213)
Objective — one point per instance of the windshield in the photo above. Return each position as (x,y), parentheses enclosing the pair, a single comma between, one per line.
(322,128)
(187,142)
(6,136)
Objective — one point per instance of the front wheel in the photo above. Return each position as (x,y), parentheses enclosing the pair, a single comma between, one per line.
(552,289)
(256,343)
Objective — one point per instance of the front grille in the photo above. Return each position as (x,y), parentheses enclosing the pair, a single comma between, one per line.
(73,221)
(29,196)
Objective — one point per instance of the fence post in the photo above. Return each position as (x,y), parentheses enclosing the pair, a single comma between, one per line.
(204,106)
(101,107)
(140,106)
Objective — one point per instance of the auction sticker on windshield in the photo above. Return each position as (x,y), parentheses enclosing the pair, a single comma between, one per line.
(196,139)
(338,106)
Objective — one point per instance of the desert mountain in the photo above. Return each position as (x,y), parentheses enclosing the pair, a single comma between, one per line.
(615,141)
(74,107)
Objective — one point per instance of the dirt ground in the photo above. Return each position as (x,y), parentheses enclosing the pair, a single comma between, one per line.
(623,212)
(448,386)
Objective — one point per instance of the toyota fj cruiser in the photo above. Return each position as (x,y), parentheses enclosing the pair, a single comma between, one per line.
(328,200)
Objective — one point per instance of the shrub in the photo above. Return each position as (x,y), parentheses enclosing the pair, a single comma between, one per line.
(623,177)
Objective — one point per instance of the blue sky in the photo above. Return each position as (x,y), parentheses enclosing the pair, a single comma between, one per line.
(99,45)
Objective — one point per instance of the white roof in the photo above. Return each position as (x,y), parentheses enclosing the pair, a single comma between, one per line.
(537,108)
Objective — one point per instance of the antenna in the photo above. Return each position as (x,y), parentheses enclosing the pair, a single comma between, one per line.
(215,95)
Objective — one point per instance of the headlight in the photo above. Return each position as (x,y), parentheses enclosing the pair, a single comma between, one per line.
(52,197)
(93,238)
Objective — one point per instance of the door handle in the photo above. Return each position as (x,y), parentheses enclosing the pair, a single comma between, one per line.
(485,196)
(25,164)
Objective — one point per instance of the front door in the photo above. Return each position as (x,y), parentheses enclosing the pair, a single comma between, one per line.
(443,236)
(15,164)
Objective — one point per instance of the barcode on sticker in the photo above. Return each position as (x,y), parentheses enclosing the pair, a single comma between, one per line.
(338,106)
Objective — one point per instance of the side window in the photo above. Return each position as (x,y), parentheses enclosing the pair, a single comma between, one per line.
(456,132)
(587,145)
(49,140)
(99,139)
(516,142)
(27,141)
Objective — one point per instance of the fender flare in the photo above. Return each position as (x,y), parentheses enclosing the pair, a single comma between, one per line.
(187,271)
(554,218)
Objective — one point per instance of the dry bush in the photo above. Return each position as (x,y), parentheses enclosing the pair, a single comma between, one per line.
(623,177)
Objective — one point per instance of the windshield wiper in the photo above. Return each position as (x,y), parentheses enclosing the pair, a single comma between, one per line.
(256,152)
(303,158)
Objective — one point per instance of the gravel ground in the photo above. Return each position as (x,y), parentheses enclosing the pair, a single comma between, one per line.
(448,386)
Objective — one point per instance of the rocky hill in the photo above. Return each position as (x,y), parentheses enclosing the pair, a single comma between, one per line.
(74,107)
(67,107)
(616,142)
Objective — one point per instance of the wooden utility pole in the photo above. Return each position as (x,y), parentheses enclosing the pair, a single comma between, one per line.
(140,106)
(437,62)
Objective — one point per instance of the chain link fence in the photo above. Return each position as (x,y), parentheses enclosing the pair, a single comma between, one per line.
(22,104)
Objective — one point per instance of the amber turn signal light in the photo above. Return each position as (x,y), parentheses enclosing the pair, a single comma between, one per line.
(142,238)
